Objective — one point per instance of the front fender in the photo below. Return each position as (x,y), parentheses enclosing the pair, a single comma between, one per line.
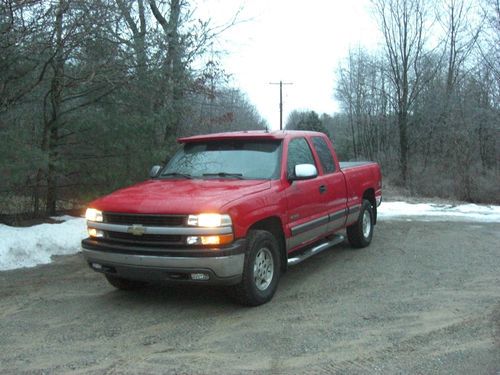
(248,210)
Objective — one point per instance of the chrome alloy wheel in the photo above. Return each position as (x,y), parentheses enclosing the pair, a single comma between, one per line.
(367,224)
(263,269)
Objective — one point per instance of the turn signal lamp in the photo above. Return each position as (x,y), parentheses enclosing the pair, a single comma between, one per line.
(95,232)
(222,239)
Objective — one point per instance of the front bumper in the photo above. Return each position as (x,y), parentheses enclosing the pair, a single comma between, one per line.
(222,266)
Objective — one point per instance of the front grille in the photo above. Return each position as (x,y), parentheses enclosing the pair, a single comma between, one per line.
(146,220)
(145,239)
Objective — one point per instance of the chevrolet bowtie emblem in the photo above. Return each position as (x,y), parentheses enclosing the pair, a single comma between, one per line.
(136,230)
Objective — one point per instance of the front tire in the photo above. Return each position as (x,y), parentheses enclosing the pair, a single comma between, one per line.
(360,233)
(261,270)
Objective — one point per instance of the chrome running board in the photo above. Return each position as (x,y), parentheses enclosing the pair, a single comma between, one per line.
(315,250)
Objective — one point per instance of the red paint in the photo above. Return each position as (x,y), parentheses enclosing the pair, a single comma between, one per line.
(249,201)
(179,196)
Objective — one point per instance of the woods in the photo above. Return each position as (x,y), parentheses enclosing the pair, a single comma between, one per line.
(426,105)
(92,93)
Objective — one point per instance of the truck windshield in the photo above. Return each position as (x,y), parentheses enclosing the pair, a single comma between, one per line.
(239,159)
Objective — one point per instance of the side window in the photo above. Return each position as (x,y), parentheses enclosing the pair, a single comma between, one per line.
(298,153)
(324,153)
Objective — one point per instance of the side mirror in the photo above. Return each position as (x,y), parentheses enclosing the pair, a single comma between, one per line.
(305,172)
(154,171)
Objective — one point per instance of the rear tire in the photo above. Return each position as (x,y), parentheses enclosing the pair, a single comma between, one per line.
(360,233)
(124,284)
(261,270)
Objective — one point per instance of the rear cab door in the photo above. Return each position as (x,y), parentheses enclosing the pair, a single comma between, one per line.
(333,181)
(307,201)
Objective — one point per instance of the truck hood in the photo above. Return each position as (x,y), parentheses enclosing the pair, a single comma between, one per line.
(173,196)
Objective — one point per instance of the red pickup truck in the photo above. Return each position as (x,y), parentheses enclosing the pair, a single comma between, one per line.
(233,209)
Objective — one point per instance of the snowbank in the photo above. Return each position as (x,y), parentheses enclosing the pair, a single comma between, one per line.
(429,211)
(28,247)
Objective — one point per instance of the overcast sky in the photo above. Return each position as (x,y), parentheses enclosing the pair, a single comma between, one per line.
(293,41)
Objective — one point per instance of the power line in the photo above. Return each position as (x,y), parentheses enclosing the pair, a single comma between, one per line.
(281,83)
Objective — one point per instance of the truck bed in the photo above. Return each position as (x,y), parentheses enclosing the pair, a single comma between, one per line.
(352,164)
(360,176)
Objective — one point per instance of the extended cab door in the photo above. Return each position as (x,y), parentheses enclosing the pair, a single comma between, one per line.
(307,214)
(331,177)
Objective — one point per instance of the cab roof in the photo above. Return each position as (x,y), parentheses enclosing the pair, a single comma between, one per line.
(250,134)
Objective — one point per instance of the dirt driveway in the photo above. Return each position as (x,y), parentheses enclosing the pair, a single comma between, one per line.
(423,298)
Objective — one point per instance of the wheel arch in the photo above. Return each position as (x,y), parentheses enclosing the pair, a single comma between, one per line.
(369,195)
(274,225)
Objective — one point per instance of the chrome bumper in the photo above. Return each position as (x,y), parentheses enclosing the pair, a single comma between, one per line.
(228,266)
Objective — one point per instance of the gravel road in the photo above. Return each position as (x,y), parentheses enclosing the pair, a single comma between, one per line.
(423,298)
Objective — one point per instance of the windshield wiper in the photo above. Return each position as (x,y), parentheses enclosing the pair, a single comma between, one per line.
(225,174)
(176,174)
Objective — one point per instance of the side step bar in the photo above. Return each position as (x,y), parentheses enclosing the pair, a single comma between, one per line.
(315,250)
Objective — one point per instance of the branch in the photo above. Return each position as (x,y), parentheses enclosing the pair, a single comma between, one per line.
(157,14)
(88,102)
(126,13)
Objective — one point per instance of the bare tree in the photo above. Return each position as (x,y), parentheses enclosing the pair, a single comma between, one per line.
(460,38)
(66,89)
(361,91)
(443,101)
(182,49)
(93,92)
(403,24)
(22,67)
(490,50)
(174,67)
(346,94)
(138,40)
(227,109)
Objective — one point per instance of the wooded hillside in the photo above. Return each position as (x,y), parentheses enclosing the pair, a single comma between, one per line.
(93,93)
(426,106)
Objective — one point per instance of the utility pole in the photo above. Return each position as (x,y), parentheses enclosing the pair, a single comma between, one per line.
(281,83)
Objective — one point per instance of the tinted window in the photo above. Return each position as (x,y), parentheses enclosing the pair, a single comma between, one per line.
(298,153)
(324,153)
(229,159)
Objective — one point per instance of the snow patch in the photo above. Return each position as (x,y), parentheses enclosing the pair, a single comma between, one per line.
(432,211)
(28,247)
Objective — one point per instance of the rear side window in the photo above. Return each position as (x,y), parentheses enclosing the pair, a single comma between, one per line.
(298,153)
(325,155)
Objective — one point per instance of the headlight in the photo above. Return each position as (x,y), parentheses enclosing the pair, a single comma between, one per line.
(93,215)
(209,220)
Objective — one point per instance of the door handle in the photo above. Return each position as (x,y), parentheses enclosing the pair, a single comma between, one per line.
(322,189)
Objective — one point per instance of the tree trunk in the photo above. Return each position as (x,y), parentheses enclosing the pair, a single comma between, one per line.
(174,70)
(403,145)
(173,64)
(140,49)
(57,85)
